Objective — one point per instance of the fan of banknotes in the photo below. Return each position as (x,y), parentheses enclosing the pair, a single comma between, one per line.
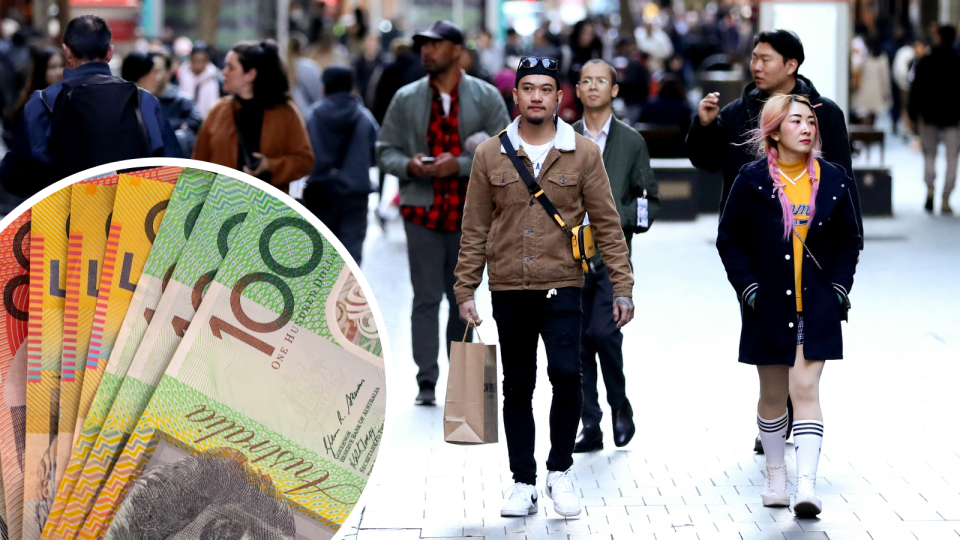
(183,355)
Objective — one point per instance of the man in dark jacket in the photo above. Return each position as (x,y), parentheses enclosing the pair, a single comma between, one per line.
(936,77)
(716,138)
(343,134)
(29,166)
(627,162)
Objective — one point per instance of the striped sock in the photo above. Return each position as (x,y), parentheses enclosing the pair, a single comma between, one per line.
(773,436)
(807,438)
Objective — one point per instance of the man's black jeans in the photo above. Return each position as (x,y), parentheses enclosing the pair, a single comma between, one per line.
(522,318)
(602,338)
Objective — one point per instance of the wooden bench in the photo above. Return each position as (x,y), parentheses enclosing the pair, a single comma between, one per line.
(867,136)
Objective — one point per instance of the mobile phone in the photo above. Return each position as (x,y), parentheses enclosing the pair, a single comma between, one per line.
(427,159)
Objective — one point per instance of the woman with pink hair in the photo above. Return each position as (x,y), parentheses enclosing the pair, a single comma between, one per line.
(789,241)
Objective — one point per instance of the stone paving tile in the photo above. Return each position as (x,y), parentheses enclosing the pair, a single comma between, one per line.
(690,472)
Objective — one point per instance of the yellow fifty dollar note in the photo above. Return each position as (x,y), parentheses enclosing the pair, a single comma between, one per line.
(91,210)
(137,212)
(48,258)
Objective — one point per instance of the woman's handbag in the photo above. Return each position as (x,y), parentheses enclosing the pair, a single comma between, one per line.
(581,236)
(251,162)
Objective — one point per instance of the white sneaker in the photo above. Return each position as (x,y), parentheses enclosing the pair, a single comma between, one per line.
(775,489)
(807,504)
(522,502)
(560,489)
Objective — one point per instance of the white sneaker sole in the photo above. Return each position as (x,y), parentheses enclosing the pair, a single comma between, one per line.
(519,513)
(777,500)
(808,508)
(564,513)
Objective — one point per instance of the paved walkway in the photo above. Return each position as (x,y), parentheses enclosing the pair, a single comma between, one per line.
(890,466)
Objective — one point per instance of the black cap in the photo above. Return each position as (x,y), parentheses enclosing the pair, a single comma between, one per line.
(440,31)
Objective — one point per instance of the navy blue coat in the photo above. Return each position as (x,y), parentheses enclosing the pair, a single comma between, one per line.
(758,259)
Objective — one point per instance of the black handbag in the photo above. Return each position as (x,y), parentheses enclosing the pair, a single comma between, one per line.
(321,191)
(251,162)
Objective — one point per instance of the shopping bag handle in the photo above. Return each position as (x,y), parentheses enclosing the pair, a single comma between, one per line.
(467,329)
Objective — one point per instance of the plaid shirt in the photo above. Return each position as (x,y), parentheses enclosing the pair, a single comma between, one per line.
(449,194)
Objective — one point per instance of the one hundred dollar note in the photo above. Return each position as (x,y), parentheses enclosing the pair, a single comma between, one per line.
(179,217)
(270,413)
(48,258)
(179,224)
(15,278)
(138,210)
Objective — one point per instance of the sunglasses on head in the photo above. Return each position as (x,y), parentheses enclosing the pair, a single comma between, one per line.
(529,62)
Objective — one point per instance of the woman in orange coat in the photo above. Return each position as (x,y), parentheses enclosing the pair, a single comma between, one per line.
(256,129)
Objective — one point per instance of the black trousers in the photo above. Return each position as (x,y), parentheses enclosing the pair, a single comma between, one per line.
(602,338)
(522,318)
(433,258)
(347,220)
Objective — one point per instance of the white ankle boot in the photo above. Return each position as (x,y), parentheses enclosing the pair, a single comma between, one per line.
(807,504)
(775,489)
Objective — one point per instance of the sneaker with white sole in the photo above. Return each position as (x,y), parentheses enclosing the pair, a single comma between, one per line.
(806,503)
(560,489)
(775,489)
(522,501)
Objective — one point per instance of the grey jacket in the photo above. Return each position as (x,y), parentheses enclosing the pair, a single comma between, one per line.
(404,131)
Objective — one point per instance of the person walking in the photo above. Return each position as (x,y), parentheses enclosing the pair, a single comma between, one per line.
(535,282)
(199,79)
(344,137)
(305,75)
(89,118)
(716,138)
(151,71)
(789,241)
(939,112)
(635,193)
(421,143)
(874,96)
(257,128)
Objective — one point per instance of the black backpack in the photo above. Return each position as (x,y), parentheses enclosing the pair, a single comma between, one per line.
(95,120)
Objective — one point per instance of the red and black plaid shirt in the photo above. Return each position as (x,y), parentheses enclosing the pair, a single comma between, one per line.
(449,194)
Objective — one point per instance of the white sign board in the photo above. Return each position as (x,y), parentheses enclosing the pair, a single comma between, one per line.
(824,29)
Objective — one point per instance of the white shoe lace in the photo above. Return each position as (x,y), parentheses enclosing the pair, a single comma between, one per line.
(562,483)
(521,492)
(807,484)
(776,479)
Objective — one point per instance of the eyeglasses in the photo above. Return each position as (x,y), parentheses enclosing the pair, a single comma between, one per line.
(586,82)
(528,62)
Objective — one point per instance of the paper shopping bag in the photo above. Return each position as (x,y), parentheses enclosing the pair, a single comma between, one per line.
(470,414)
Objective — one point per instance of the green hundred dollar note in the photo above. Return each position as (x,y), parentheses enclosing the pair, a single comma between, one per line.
(181,213)
(209,232)
(270,413)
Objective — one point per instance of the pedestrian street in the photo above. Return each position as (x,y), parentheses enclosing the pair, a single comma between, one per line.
(890,466)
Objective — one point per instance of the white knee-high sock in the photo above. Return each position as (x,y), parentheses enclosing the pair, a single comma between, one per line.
(807,439)
(773,436)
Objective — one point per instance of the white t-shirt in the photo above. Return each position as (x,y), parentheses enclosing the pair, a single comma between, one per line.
(445,100)
(537,155)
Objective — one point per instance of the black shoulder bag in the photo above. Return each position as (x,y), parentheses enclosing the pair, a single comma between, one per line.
(322,191)
(251,162)
(581,236)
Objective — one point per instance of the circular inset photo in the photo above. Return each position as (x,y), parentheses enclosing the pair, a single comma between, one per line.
(185,352)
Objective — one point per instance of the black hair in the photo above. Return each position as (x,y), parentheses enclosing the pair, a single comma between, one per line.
(786,42)
(160,52)
(613,70)
(136,65)
(671,87)
(337,79)
(88,38)
(41,60)
(271,87)
(948,34)
(201,47)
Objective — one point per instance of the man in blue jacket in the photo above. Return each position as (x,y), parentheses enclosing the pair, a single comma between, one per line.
(30,165)
(343,134)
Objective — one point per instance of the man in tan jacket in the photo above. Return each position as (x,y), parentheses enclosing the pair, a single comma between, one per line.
(533,276)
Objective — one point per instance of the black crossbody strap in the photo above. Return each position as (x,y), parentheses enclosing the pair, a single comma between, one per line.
(532,184)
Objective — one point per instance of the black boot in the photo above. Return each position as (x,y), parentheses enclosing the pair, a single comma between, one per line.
(589,440)
(426,397)
(623,427)
(928,206)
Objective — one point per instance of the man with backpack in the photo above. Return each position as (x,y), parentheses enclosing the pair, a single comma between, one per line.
(88,119)
(343,134)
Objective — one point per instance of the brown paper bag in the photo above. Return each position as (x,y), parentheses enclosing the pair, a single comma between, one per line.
(470,413)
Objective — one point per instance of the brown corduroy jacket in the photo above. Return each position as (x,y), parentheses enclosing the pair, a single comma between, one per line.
(505,228)
(284,141)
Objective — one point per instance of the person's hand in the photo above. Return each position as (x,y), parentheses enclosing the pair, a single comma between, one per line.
(709,108)
(622,310)
(446,166)
(263,167)
(468,313)
(417,168)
